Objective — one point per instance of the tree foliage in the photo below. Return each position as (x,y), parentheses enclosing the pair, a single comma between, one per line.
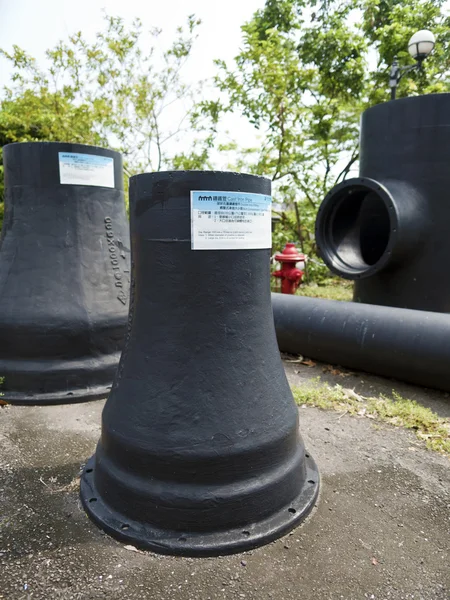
(38,115)
(306,71)
(120,91)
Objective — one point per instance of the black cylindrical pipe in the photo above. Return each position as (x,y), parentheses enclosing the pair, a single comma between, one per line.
(409,345)
(200,452)
(388,229)
(64,272)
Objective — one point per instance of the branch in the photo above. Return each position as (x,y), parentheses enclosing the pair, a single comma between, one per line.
(310,200)
(301,186)
(179,129)
(281,146)
(158,140)
(348,166)
(299,224)
(327,172)
(127,171)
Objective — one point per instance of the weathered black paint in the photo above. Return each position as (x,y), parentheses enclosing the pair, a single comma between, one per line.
(389,229)
(64,278)
(410,345)
(200,451)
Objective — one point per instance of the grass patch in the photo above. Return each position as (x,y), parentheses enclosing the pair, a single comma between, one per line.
(331,289)
(398,411)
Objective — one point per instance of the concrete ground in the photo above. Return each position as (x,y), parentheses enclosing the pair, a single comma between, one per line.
(381,529)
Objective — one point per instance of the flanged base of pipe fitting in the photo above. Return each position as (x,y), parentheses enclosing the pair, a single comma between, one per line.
(57,382)
(186,543)
(68,397)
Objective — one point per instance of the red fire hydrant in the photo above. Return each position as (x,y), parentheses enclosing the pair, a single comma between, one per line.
(290,276)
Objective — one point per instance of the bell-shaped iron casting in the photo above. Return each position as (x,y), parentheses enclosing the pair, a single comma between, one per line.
(64,272)
(200,452)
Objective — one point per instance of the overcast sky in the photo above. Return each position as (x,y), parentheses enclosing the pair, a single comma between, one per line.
(36,25)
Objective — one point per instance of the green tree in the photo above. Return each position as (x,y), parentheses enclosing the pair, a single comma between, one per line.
(306,71)
(118,91)
(388,25)
(40,115)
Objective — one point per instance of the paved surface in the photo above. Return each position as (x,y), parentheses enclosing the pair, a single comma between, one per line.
(381,529)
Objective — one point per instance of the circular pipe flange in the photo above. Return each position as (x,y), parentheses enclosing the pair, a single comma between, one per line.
(246,537)
(52,398)
(357,228)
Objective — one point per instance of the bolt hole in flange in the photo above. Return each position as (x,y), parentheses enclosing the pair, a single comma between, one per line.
(311,481)
(355,228)
(89,470)
(182,538)
(92,499)
(125,526)
(246,533)
(292,511)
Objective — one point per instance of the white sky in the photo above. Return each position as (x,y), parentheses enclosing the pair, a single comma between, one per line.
(37,25)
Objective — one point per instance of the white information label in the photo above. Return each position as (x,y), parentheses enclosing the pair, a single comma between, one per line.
(230,220)
(86,169)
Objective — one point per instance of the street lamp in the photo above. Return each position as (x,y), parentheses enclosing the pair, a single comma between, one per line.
(420,46)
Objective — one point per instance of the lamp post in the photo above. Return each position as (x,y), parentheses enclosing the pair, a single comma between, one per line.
(420,46)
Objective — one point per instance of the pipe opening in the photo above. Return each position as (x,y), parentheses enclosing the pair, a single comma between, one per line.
(360,228)
(355,229)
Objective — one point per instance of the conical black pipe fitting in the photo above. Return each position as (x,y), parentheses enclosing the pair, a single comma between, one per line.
(64,272)
(200,452)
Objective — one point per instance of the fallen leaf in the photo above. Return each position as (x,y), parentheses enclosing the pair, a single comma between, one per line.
(132,548)
(343,414)
(70,487)
(308,362)
(295,360)
(352,394)
(336,371)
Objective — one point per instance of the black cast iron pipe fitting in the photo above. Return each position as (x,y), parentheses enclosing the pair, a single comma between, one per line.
(389,228)
(200,452)
(64,272)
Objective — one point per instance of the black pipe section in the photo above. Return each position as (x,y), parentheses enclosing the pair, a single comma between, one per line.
(388,228)
(200,452)
(409,345)
(64,272)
